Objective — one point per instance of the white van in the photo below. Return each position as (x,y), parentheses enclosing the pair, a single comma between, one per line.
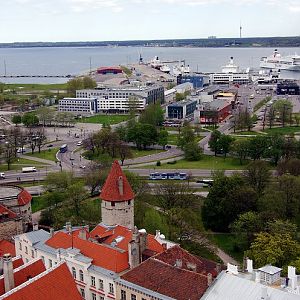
(28,169)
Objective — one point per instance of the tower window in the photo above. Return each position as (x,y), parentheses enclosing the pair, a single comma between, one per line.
(113,204)
(129,202)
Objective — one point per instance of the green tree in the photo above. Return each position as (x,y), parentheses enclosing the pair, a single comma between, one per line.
(257,175)
(275,148)
(73,85)
(30,119)
(124,152)
(185,136)
(76,193)
(58,181)
(282,227)
(163,138)
(228,198)
(244,228)
(88,82)
(214,141)
(16,119)
(275,249)
(258,146)
(153,115)
(284,108)
(192,151)
(239,148)
(225,143)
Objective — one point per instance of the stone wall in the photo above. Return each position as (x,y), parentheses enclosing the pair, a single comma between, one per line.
(9,228)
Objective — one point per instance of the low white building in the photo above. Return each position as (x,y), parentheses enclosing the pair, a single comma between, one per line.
(227,78)
(82,106)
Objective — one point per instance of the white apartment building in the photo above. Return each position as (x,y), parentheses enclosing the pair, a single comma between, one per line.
(118,99)
(82,106)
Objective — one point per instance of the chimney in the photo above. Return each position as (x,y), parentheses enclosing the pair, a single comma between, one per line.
(8,273)
(257,277)
(121,186)
(191,266)
(143,241)
(51,232)
(164,245)
(133,254)
(68,227)
(35,227)
(209,279)
(249,265)
(82,234)
(157,234)
(218,268)
(178,263)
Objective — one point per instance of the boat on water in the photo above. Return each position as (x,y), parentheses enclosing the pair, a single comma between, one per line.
(230,67)
(181,69)
(156,63)
(165,69)
(230,73)
(279,62)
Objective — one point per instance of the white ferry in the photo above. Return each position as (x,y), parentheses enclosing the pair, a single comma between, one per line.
(230,74)
(156,63)
(278,62)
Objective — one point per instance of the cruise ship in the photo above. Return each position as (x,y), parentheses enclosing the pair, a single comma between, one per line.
(230,74)
(278,62)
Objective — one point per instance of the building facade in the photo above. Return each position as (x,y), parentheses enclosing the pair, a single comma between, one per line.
(198,80)
(181,110)
(82,106)
(119,99)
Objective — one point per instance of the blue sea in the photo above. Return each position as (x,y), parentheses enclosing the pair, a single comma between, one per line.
(76,60)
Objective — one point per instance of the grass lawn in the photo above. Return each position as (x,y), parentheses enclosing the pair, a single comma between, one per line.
(226,242)
(19,163)
(172,138)
(38,203)
(105,119)
(246,133)
(207,162)
(35,87)
(139,153)
(283,130)
(49,154)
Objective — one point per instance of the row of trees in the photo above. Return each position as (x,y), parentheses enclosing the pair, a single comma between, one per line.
(259,210)
(273,147)
(16,138)
(45,116)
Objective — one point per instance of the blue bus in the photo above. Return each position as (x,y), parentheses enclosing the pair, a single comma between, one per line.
(63,148)
(170,176)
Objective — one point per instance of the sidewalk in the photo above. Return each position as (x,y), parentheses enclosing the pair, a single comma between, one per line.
(41,160)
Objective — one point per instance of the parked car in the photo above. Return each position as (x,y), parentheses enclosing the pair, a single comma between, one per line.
(50,145)
(79,143)
(2,175)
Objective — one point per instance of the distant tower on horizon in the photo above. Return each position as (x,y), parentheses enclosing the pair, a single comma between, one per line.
(241,30)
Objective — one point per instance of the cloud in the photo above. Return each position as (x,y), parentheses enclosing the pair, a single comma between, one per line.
(83,5)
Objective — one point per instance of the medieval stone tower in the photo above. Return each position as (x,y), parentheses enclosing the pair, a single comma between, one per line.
(117,206)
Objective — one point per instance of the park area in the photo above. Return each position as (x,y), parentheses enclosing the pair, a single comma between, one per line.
(105,119)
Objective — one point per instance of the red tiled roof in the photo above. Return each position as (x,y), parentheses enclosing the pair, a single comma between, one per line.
(25,273)
(57,284)
(5,210)
(17,262)
(24,197)
(121,231)
(203,266)
(7,247)
(167,280)
(102,255)
(110,190)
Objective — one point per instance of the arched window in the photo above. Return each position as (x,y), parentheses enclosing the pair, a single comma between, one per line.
(81,275)
(74,272)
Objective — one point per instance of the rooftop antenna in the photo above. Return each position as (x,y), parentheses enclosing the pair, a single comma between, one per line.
(241,30)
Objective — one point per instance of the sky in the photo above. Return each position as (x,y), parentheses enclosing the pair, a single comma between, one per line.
(110,20)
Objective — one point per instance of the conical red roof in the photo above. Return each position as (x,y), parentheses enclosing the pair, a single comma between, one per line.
(116,187)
